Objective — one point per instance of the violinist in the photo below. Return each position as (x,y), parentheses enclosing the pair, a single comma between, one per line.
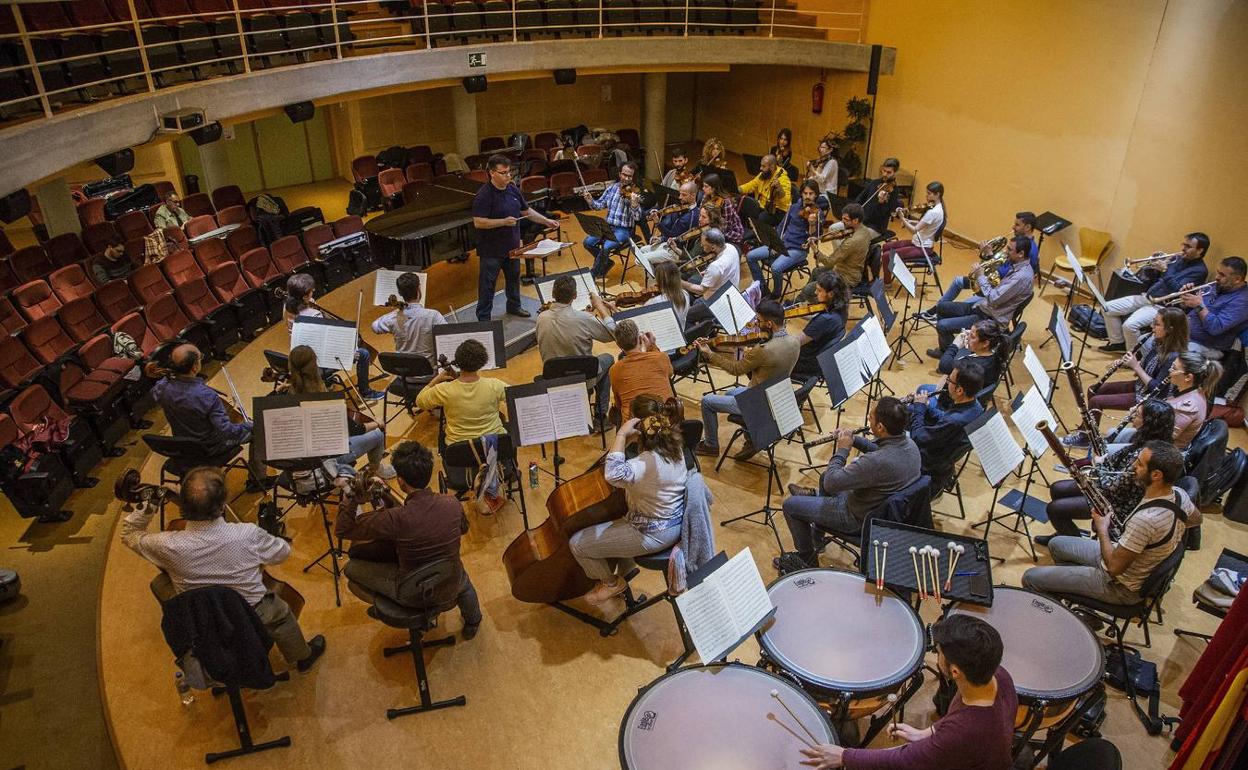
(713,193)
(772,189)
(667,278)
(925,230)
(709,215)
(364,437)
(679,221)
(712,158)
(469,401)
(774,358)
(622,200)
(783,150)
(724,267)
(411,323)
(563,331)
(879,199)
(680,172)
(849,256)
(641,369)
(826,326)
(393,542)
(654,487)
(803,221)
(195,411)
(299,302)
(824,169)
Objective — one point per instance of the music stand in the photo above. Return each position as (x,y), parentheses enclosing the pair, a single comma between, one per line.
(1049,223)
(664,194)
(753,163)
(1026,411)
(899,269)
(764,434)
(517,430)
(597,227)
(999,456)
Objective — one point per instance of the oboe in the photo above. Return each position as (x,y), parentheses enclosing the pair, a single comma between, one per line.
(1089,488)
(1090,421)
(829,439)
(1115,366)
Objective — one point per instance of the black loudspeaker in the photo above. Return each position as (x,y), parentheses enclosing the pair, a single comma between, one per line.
(565,77)
(474,84)
(114,164)
(207,134)
(873,75)
(300,111)
(14,206)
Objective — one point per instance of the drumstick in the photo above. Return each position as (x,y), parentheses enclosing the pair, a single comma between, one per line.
(936,570)
(875,554)
(931,569)
(914,558)
(776,694)
(789,730)
(879,574)
(892,705)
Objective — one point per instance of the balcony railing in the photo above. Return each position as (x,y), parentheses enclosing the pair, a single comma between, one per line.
(49,62)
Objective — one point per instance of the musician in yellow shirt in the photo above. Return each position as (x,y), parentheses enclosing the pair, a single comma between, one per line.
(772,189)
(469,402)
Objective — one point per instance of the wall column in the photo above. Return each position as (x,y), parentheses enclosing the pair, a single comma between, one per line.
(466,139)
(216,164)
(60,214)
(654,121)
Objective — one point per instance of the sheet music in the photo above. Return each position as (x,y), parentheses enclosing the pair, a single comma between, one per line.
(1062,332)
(724,607)
(903,274)
(535,424)
(851,367)
(661,321)
(569,408)
(312,429)
(385,285)
(545,246)
(1096,292)
(873,345)
(648,255)
(584,287)
(740,314)
(330,340)
(1074,265)
(784,408)
(445,344)
(283,433)
(1039,375)
(999,454)
(1030,409)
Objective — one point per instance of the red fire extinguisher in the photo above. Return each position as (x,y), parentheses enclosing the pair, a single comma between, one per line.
(816,98)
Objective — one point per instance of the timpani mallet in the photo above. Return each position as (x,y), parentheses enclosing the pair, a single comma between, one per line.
(776,694)
(931,565)
(952,549)
(790,730)
(958,550)
(918,581)
(879,574)
(892,705)
(936,571)
(875,555)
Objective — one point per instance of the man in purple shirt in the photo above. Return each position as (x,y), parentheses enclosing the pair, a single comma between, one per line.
(978,730)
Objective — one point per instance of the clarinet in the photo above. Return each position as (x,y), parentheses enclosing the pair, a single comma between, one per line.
(1130,415)
(1090,421)
(1089,488)
(829,439)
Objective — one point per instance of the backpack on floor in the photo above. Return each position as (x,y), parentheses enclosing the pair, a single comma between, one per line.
(1084,317)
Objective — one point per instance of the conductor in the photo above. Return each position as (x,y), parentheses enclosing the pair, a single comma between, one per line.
(495,212)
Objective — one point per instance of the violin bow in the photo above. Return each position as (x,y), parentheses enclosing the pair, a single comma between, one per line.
(346,378)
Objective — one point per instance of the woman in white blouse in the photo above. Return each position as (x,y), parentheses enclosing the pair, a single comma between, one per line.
(827,175)
(667,277)
(654,486)
(924,229)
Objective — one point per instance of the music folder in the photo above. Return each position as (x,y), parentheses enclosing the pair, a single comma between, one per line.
(545,286)
(882,307)
(726,603)
(448,337)
(999,454)
(730,308)
(298,427)
(334,342)
(770,411)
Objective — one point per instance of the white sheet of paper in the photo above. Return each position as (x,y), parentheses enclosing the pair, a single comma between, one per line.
(534,421)
(1064,343)
(446,344)
(1096,292)
(850,365)
(999,454)
(569,408)
(1031,410)
(661,321)
(283,433)
(384,285)
(725,606)
(647,255)
(732,311)
(1074,265)
(784,408)
(330,343)
(584,288)
(546,246)
(873,344)
(903,274)
(1040,376)
(313,429)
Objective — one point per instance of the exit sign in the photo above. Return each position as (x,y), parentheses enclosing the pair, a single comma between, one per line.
(476,59)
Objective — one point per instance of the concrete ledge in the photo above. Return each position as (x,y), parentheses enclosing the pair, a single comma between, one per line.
(37,149)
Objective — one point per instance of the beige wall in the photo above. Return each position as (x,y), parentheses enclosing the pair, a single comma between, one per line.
(1124,115)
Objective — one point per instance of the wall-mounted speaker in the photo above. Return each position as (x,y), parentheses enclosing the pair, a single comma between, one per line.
(474,84)
(300,111)
(873,74)
(208,134)
(14,206)
(116,163)
(565,77)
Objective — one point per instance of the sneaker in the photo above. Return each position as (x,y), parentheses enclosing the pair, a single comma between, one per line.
(797,490)
(789,561)
(317,645)
(928,316)
(605,591)
(1079,440)
(1113,347)
(527,280)
(371,395)
(386,471)
(704,449)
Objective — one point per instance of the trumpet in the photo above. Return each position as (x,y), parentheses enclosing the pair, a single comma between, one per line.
(1170,299)
(1167,258)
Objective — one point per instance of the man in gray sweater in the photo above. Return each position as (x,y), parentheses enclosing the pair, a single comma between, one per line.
(850,491)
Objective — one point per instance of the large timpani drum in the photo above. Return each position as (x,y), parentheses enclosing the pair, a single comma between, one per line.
(719,717)
(1053,657)
(848,645)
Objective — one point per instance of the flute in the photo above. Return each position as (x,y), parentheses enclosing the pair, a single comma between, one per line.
(832,437)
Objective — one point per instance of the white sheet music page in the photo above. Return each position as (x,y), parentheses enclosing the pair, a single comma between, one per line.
(447,343)
(1064,343)
(331,343)
(903,274)
(732,311)
(545,246)
(999,454)
(850,365)
(284,434)
(584,288)
(743,590)
(385,285)
(784,408)
(1039,375)
(643,254)
(569,409)
(1074,265)
(1031,410)
(534,422)
(326,425)
(724,607)
(1096,292)
(874,345)
(661,321)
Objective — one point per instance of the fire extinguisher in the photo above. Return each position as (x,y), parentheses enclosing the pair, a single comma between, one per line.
(816,99)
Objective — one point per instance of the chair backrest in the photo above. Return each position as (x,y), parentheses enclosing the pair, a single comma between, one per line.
(179,447)
(911,505)
(404,364)
(1204,457)
(585,367)
(1159,580)
(432,586)
(1094,244)
(691,435)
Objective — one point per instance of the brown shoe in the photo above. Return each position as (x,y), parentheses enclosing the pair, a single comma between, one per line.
(604,591)
(797,490)
(706,450)
(746,452)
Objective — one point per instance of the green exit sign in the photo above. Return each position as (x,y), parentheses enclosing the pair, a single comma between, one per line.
(476,59)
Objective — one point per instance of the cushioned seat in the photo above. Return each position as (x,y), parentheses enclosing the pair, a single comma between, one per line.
(396,615)
(655,561)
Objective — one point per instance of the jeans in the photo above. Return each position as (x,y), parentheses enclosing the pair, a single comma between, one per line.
(779,265)
(376,570)
(1126,318)
(714,404)
(602,386)
(605,550)
(1067,504)
(487,279)
(806,515)
(958,285)
(600,249)
(1078,572)
(362,359)
(372,443)
(954,317)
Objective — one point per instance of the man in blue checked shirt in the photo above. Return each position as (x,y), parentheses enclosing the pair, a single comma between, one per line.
(1126,318)
(678,222)
(622,215)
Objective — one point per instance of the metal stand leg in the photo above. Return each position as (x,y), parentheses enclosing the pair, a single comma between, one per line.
(333,552)
(767,511)
(416,647)
(244,733)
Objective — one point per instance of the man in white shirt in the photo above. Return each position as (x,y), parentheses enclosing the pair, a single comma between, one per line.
(214,552)
(1114,571)
(412,326)
(724,267)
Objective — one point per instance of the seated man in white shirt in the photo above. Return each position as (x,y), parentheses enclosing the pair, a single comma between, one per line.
(412,325)
(724,267)
(214,552)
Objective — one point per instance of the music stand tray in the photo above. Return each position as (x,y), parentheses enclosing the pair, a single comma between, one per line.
(1050,223)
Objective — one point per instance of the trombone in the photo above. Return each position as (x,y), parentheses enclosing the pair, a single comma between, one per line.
(1173,299)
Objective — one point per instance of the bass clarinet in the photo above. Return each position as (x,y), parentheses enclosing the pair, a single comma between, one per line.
(1090,421)
(1089,488)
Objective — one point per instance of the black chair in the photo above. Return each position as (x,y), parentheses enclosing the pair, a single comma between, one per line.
(426,596)
(182,454)
(953,482)
(1088,754)
(411,373)
(911,505)
(585,367)
(1016,317)
(460,464)
(1203,457)
(691,435)
(806,386)
(1014,341)
(690,365)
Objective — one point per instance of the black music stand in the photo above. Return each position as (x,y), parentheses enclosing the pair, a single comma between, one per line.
(1049,223)
(597,227)
(767,236)
(971,428)
(882,307)
(764,434)
(907,319)
(1123,285)
(753,163)
(513,425)
(664,196)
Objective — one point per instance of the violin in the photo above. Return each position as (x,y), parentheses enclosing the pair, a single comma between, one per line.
(683,175)
(631,298)
(371,490)
(808,211)
(447,367)
(746,339)
(675,208)
(396,303)
(629,189)
(804,309)
(154,371)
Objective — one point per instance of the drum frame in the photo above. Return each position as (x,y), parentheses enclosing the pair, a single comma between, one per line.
(839,700)
(628,712)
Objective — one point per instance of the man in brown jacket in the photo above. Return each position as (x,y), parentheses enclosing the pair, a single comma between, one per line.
(764,362)
(849,255)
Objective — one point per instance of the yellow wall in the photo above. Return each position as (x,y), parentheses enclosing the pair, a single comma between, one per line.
(1124,115)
